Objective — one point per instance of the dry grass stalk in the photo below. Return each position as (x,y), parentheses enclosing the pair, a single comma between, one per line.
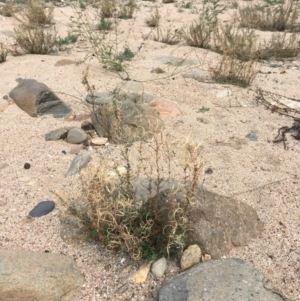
(108,8)
(282,17)
(153,20)
(167,36)
(3,52)
(233,71)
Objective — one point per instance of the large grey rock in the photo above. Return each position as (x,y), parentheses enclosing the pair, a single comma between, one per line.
(126,121)
(217,223)
(36,99)
(220,223)
(34,276)
(231,279)
(79,162)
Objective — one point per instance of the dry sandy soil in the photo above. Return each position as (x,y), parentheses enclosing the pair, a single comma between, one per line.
(260,173)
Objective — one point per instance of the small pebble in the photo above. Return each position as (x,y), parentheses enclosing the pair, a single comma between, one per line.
(64,152)
(26,165)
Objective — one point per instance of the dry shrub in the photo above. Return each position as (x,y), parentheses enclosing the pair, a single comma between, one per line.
(35,14)
(241,43)
(153,20)
(36,39)
(280,46)
(3,52)
(280,17)
(127,9)
(167,36)
(8,9)
(108,7)
(136,209)
(233,71)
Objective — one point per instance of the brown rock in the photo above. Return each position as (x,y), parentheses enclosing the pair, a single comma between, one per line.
(165,107)
(71,116)
(36,99)
(82,117)
(190,257)
(38,276)
(141,275)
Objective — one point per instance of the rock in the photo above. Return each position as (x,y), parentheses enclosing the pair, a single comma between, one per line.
(200,76)
(251,136)
(190,257)
(3,105)
(217,223)
(158,267)
(120,94)
(83,117)
(131,86)
(79,162)
(141,275)
(99,140)
(206,257)
(38,276)
(217,280)
(42,208)
(223,94)
(125,272)
(125,121)
(220,223)
(57,134)
(36,99)
(86,125)
(165,107)
(3,165)
(76,136)
(70,116)
(64,62)
(76,149)
(176,61)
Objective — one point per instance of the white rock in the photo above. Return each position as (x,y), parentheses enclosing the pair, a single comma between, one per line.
(99,141)
(158,267)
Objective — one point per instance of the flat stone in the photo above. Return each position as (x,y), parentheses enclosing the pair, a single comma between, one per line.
(37,276)
(200,76)
(158,267)
(37,99)
(57,134)
(79,162)
(176,61)
(217,280)
(190,257)
(99,140)
(165,107)
(42,208)
(76,136)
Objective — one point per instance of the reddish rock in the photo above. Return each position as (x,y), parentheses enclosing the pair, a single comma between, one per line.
(165,107)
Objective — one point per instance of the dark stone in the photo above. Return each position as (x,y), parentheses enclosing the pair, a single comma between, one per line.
(5,97)
(57,134)
(231,279)
(209,171)
(64,152)
(36,99)
(26,165)
(42,208)
(87,126)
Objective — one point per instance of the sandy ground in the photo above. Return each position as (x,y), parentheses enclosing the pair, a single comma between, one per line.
(259,173)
